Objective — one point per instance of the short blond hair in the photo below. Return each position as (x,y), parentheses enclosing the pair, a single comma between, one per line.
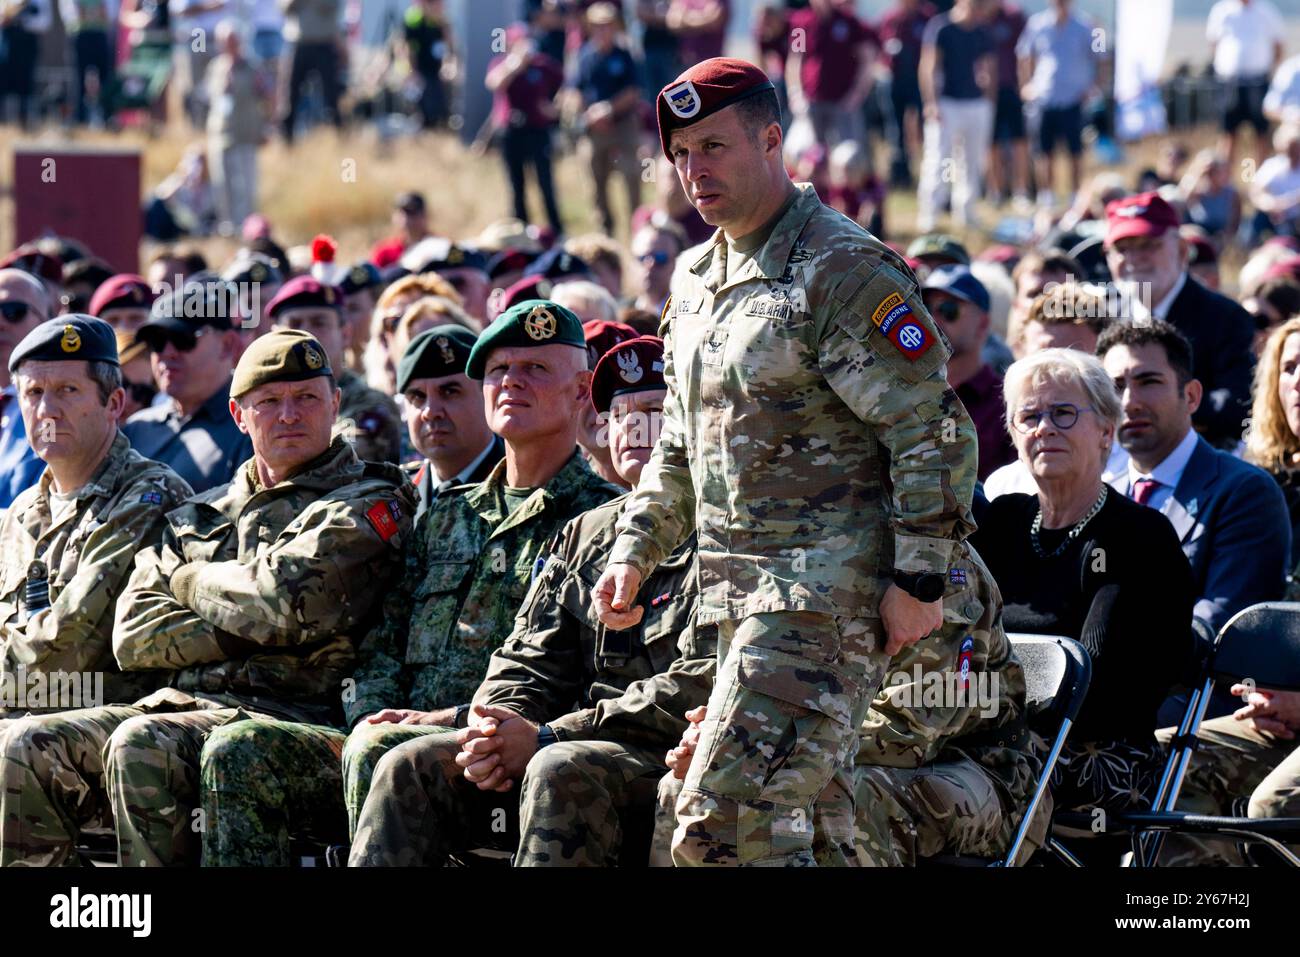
(1063,367)
(426,284)
(437,308)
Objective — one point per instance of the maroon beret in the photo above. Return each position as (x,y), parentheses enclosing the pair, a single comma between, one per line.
(704,89)
(530,287)
(636,365)
(124,291)
(1146,214)
(305,292)
(603,335)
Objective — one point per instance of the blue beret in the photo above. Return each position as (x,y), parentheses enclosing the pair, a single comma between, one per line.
(74,336)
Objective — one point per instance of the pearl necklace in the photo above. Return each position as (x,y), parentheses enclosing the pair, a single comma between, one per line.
(1074,532)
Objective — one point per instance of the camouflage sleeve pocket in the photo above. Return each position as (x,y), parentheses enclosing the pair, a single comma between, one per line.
(885,313)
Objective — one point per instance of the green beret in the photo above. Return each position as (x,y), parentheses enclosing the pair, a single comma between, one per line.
(533,322)
(282,355)
(434,353)
(73,336)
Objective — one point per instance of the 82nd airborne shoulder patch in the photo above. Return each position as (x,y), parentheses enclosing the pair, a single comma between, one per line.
(894,318)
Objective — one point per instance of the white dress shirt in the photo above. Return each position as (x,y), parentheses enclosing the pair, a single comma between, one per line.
(1168,473)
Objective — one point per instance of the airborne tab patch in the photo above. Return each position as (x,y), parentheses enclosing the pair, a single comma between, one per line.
(894,317)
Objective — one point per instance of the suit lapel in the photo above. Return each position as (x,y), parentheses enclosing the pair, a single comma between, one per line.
(1192,493)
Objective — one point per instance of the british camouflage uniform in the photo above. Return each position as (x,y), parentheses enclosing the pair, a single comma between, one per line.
(247,610)
(467,570)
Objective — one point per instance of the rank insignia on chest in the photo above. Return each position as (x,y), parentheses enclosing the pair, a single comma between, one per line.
(151,498)
(384,516)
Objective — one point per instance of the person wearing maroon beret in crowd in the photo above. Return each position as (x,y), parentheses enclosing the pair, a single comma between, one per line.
(593,434)
(123,301)
(812,443)
(368,418)
(524,83)
(1148,258)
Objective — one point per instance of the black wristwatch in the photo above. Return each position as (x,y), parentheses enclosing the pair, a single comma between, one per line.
(925,587)
(545,736)
(462,716)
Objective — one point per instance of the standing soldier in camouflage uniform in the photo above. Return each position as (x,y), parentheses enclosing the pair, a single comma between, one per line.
(68,542)
(250,603)
(811,441)
(444,414)
(468,568)
(579,768)
(369,419)
(944,765)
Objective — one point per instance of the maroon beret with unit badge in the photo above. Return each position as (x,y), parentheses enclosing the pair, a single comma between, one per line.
(530,287)
(124,291)
(305,292)
(603,335)
(636,365)
(704,89)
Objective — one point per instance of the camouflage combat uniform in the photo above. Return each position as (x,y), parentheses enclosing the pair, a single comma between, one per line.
(468,568)
(369,419)
(631,689)
(248,608)
(88,553)
(811,440)
(943,766)
(1236,771)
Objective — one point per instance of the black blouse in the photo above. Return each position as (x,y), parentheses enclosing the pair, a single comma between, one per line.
(1122,588)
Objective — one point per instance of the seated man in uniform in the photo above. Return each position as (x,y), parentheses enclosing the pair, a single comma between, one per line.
(578,716)
(468,568)
(370,419)
(944,763)
(1246,764)
(67,543)
(444,413)
(249,605)
(192,346)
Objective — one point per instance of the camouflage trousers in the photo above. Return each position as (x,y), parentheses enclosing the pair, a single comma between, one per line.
(899,816)
(266,783)
(420,810)
(365,748)
(781,732)
(135,768)
(1233,763)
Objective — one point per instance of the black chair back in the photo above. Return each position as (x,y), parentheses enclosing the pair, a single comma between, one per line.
(1261,643)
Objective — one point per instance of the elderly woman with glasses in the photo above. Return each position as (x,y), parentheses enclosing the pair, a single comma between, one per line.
(1081,560)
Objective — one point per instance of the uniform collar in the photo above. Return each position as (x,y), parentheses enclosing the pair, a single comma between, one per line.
(774,255)
(484,497)
(336,466)
(101,484)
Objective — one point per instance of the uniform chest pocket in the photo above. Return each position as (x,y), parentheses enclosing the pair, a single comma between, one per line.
(663,626)
(206,544)
(435,607)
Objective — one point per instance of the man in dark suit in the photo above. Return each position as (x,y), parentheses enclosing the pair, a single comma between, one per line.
(1148,259)
(1229,515)
(444,413)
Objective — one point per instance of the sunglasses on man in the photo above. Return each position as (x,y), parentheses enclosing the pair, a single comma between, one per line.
(143,393)
(15,312)
(182,340)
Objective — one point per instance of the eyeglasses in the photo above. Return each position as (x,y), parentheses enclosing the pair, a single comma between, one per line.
(948,311)
(390,321)
(1063,415)
(183,341)
(16,311)
(143,393)
(659,258)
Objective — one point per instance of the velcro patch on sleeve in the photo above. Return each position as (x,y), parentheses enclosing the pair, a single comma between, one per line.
(151,498)
(383,516)
(896,320)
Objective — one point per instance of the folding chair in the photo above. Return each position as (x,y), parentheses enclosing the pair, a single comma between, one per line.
(1260,644)
(1057,673)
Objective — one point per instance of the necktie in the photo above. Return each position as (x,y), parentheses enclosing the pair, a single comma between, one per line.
(1143,489)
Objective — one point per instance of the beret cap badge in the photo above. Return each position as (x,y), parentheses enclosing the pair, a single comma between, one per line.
(311,357)
(540,324)
(71,341)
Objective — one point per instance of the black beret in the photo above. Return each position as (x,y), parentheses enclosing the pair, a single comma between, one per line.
(364,275)
(555,263)
(204,300)
(636,365)
(533,322)
(305,292)
(437,253)
(509,260)
(255,267)
(442,350)
(74,336)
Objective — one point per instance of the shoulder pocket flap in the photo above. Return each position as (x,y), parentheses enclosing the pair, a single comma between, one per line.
(442,577)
